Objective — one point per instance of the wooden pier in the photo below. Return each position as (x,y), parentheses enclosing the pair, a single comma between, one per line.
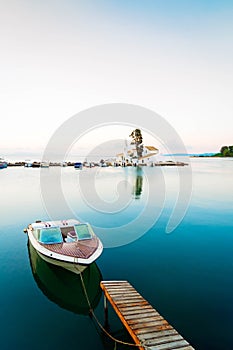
(146,326)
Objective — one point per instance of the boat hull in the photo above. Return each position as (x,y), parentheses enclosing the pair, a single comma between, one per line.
(73,267)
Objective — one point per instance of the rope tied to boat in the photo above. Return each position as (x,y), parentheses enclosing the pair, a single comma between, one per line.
(142,344)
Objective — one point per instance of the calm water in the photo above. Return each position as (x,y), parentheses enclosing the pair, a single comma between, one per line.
(187,275)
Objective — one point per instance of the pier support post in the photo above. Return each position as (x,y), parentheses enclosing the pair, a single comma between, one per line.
(106,324)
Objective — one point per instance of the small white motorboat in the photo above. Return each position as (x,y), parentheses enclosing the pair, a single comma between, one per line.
(27,163)
(3,163)
(45,164)
(66,243)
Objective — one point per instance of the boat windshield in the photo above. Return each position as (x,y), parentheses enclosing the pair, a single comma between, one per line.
(50,235)
(82,231)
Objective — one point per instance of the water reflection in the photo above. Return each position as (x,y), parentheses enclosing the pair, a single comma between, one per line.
(64,287)
(138,183)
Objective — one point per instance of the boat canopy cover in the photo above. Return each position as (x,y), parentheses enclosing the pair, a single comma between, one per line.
(82,231)
(50,235)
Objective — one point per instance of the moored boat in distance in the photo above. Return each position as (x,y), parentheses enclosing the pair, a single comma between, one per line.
(32,164)
(28,163)
(36,164)
(63,164)
(44,164)
(66,243)
(3,163)
(78,165)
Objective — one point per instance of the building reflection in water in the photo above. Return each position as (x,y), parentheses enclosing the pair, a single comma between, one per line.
(138,185)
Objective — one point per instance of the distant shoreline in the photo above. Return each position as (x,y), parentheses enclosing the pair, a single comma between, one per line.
(115,164)
(213,156)
(92,165)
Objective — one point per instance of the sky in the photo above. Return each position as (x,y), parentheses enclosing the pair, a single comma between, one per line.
(61,57)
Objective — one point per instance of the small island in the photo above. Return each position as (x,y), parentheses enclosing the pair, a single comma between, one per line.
(225,151)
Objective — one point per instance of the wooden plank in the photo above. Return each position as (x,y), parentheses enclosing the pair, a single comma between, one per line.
(127,297)
(159,340)
(122,291)
(159,322)
(145,325)
(115,283)
(169,346)
(156,317)
(189,347)
(127,307)
(120,287)
(134,313)
(155,332)
(124,295)
(130,301)
(155,323)
(142,314)
(134,303)
(124,308)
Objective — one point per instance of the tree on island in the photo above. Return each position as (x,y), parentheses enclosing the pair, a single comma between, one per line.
(137,140)
(225,151)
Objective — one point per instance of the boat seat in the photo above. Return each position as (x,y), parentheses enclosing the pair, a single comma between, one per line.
(71,236)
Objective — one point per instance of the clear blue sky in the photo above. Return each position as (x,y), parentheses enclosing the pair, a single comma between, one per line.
(60,57)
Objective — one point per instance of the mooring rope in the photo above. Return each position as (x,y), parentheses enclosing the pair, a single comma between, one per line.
(97,320)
